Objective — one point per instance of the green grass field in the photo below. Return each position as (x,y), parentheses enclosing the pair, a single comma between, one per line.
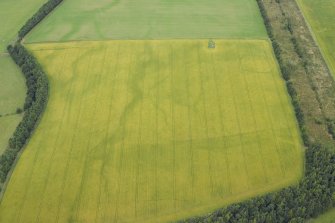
(12,86)
(13,14)
(12,95)
(7,128)
(147,19)
(321,17)
(154,131)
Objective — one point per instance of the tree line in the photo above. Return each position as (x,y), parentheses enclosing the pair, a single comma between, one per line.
(36,100)
(37,91)
(38,17)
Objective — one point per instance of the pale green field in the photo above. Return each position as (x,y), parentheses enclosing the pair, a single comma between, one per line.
(12,86)
(151,19)
(13,14)
(321,17)
(12,95)
(7,127)
(154,131)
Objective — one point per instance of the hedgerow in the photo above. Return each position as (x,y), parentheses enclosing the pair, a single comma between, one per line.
(38,17)
(36,100)
(37,93)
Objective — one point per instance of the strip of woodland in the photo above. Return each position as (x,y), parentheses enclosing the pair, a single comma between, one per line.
(37,92)
(45,10)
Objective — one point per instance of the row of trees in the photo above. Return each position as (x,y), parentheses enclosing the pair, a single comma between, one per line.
(35,103)
(37,91)
(313,195)
(38,17)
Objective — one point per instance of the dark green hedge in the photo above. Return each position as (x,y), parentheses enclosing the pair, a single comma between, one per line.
(37,93)
(38,17)
(36,100)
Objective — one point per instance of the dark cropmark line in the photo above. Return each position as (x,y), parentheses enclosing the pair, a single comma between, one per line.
(221,111)
(253,117)
(108,128)
(157,140)
(243,146)
(173,126)
(281,106)
(64,112)
(68,160)
(101,76)
(89,149)
(206,119)
(239,128)
(140,39)
(271,124)
(139,143)
(138,150)
(85,172)
(34,166)
(122,153)
(189,126)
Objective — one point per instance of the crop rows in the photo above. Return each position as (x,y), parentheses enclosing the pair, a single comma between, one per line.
(154,130)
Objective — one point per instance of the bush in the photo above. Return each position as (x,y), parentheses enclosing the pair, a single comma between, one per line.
(19,111)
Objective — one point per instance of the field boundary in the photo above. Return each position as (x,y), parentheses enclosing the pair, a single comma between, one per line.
(33,111)
(36,99)
(161,39)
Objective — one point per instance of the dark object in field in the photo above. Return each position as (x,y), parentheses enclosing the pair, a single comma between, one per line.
(211,44)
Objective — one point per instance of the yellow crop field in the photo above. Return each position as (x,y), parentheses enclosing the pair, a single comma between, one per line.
(154,131)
